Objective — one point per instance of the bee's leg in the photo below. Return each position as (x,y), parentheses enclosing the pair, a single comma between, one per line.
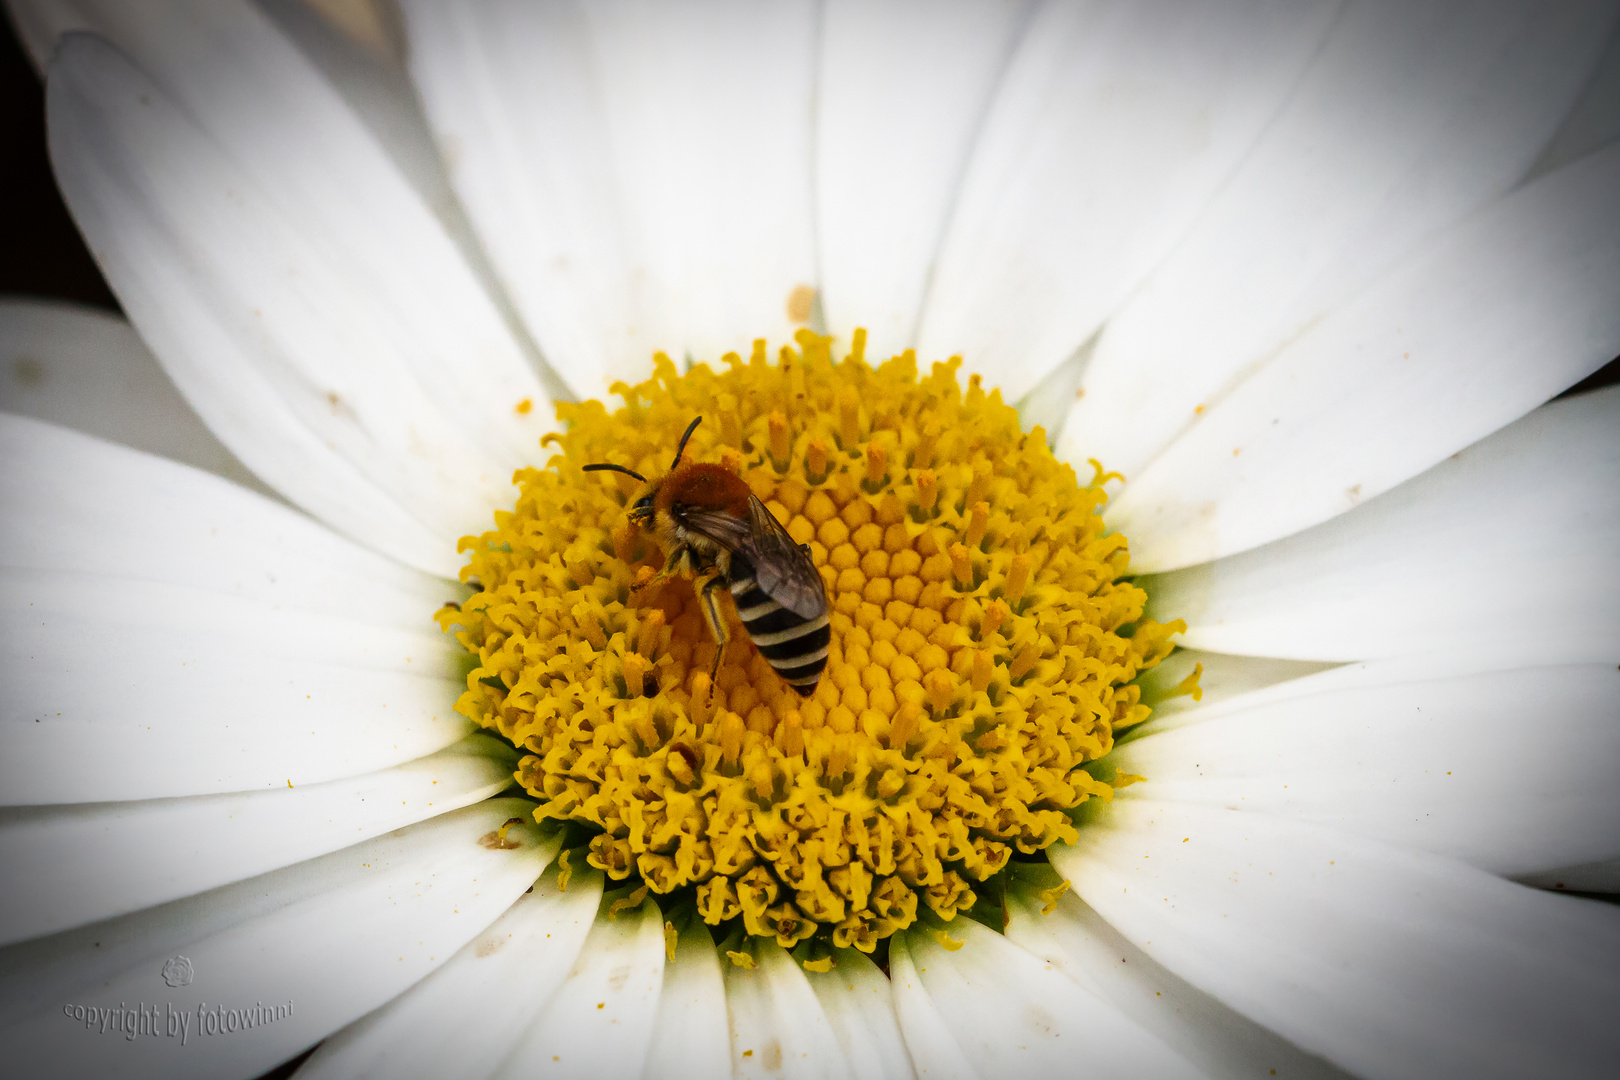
(679,559)
(706,588)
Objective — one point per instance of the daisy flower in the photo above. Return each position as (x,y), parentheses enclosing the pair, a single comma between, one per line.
(1268,757)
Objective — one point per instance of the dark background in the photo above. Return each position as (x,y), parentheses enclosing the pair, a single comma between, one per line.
(41,252)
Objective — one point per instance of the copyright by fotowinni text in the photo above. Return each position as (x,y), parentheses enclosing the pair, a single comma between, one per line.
(165,1021)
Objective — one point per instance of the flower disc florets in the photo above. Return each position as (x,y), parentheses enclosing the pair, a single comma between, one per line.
(983,647)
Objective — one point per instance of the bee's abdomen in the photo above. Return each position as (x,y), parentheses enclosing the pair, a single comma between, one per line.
(792,644)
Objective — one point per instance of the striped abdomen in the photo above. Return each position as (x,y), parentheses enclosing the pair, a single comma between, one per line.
(792,644)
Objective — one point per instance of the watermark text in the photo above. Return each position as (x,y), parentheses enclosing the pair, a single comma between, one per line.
(163,1020)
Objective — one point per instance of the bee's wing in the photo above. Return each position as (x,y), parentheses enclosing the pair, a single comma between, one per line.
(729,532)
(781,567)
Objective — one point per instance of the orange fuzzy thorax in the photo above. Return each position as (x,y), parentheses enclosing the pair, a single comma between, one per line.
(712,487)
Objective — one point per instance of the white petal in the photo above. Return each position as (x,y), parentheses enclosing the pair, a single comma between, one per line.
(778,1027)
(640,173)
(1389,671)
(1048,401)
(71,865)
(1602,876)
(293,285)
(1478,328)
(1421,764)
(600,1021)
(363,64)
(710,108)
(1222,677)
(128,689)
(1384,961)
(1410,117)
(309,660)
(1441,560)
(1113,127)
(464,1019)
(88,370)
(331,939)
(856,999)
(691,1040)
(1013,1014)
(1595,119)
(66,497)
(511,93)
(1081,944)
(359,49)
(935,1053)
(903,89)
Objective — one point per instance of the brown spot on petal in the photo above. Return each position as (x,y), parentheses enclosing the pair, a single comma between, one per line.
(340,407)
(496,842)
(799,303)
(28,371)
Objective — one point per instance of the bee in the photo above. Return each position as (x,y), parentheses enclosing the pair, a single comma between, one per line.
(711,525)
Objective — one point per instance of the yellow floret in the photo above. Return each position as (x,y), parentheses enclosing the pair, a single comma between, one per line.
(983,648)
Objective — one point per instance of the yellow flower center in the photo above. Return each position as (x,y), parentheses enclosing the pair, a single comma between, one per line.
(983,647)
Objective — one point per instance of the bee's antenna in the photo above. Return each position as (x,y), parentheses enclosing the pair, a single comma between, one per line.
(681,449)
(610,467)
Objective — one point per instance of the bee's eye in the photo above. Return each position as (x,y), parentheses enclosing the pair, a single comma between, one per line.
(643,505)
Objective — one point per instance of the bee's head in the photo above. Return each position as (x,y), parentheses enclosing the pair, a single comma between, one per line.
(641,511)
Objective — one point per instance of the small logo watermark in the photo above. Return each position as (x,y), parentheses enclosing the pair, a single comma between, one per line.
(177,971)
